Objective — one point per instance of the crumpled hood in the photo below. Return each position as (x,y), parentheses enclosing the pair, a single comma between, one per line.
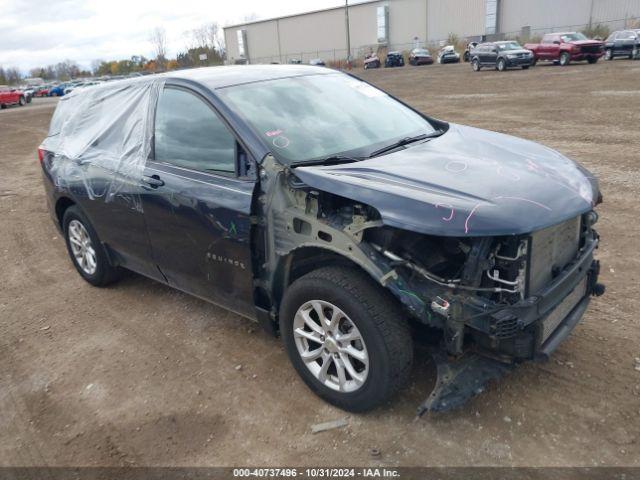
(467,182)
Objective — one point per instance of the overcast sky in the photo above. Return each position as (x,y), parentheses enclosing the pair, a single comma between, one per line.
(36,33)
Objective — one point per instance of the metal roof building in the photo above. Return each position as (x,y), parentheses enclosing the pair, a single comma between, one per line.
(403,24)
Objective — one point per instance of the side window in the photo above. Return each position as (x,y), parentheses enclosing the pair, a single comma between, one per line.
(547,39)
(189,134)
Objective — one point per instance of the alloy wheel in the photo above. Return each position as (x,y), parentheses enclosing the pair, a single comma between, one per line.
(82,247)
(331,346)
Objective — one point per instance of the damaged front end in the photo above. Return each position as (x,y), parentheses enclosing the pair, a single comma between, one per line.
(498,300)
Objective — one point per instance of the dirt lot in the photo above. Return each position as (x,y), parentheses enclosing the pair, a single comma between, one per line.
(139,374)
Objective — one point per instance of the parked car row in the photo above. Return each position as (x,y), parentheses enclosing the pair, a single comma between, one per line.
(561,47)
(417,56)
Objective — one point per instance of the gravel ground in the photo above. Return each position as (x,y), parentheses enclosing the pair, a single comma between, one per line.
(140,374)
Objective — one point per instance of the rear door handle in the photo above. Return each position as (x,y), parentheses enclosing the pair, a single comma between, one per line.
(153,181)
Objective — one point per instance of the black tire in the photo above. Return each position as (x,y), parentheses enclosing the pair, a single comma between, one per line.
(465,56)
(592,60)
(525,67)
(377,316)
(634,53)
(22,101)
(475,64)
(105,273)
(501,66)
(565,59)
(608,54)
(534,61)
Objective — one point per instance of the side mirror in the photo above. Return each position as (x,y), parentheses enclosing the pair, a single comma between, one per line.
(556,42)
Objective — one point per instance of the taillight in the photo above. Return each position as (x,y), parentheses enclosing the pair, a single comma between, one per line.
(41,153)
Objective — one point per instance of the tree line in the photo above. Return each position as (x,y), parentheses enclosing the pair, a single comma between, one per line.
(204,48)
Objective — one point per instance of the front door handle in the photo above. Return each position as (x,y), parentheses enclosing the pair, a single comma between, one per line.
(153,181)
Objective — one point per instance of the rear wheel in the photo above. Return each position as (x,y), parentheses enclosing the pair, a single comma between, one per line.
(525,67)
(21,101)
(634,53)
(86,250)
(565,59)
(608,54)
(501,65)
(346,337)
(475,64)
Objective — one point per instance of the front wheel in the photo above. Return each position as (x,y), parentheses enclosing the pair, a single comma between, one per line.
(346,337)
(501,65)
(592,60)
(565,59)
(475,64)
(22,101)
(525,67)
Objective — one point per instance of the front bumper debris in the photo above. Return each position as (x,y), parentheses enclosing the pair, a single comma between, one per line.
(459,380)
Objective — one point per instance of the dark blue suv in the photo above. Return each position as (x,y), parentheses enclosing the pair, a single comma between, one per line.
(333,214)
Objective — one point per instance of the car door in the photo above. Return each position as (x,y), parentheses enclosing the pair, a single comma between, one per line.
(491,55)
(197,206)
(481,52)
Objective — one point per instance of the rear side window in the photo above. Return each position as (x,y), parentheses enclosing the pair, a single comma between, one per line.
(189,134)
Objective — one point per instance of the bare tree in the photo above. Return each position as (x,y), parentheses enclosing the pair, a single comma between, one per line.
(158,39)
(207,36)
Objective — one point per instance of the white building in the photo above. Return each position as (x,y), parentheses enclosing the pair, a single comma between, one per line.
(401,24)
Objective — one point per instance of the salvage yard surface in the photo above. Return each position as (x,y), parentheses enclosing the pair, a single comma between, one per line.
(140,374)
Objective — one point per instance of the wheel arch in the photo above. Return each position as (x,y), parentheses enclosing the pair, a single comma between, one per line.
(62,204)
(300,261)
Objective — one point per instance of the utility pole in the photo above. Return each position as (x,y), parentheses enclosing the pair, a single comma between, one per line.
(346,18)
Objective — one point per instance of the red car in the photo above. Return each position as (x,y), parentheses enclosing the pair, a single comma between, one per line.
(11,96)
(566,47)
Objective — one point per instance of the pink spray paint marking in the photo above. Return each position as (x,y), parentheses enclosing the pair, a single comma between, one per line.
(525,200)
(446,205)
(273,133)
(475,208)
